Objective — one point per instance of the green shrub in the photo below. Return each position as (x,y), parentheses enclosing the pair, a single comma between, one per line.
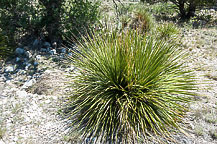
(199,130)
(142,21)
(19,18)
(167,31)
(46,18)
(5,49)
(163,8)
(79,16)
(127,87)
(129,15)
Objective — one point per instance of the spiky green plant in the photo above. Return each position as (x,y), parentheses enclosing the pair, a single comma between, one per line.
(128,87)
(142,21)
(167,31)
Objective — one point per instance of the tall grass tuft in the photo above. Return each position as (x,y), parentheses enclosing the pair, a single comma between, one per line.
(128,87)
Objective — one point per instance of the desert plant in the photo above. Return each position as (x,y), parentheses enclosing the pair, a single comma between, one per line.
(163,8)
(19,18)
(50,19)
(199,130)
(69,16)
(167,31)
(127,87)
(211,118)
(142,21)
(79,16)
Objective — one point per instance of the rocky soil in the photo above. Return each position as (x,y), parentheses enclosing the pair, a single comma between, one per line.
(201,44)
(32,86)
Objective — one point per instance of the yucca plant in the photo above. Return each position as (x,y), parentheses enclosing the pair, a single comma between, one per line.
(142,21)
(128,87)
(167,31)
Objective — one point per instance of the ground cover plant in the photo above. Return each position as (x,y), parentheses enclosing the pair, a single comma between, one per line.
(129,86)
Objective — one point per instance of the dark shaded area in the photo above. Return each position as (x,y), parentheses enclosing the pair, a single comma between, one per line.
(23,22)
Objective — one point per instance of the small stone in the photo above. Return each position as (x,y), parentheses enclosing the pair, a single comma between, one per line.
(2,78)
(54,44)
(38,57)
(63,50)
(62,56)
(29,83)
(27,119)
(52,52)
(70,54)
(21,72)
(8,81)
(35,63)
(47,71)
(15,139)
(19,51)
(212,10)
(22,93)
(17,59)
(27,66)
(213,76)
(28,54)
(47,44)
(185,141)
(37,44)
(191,126)
(9,69)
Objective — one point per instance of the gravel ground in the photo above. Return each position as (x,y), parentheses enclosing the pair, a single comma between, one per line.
(29,115)
(202,118)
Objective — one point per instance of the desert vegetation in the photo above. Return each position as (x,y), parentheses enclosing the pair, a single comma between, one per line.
(114,71)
